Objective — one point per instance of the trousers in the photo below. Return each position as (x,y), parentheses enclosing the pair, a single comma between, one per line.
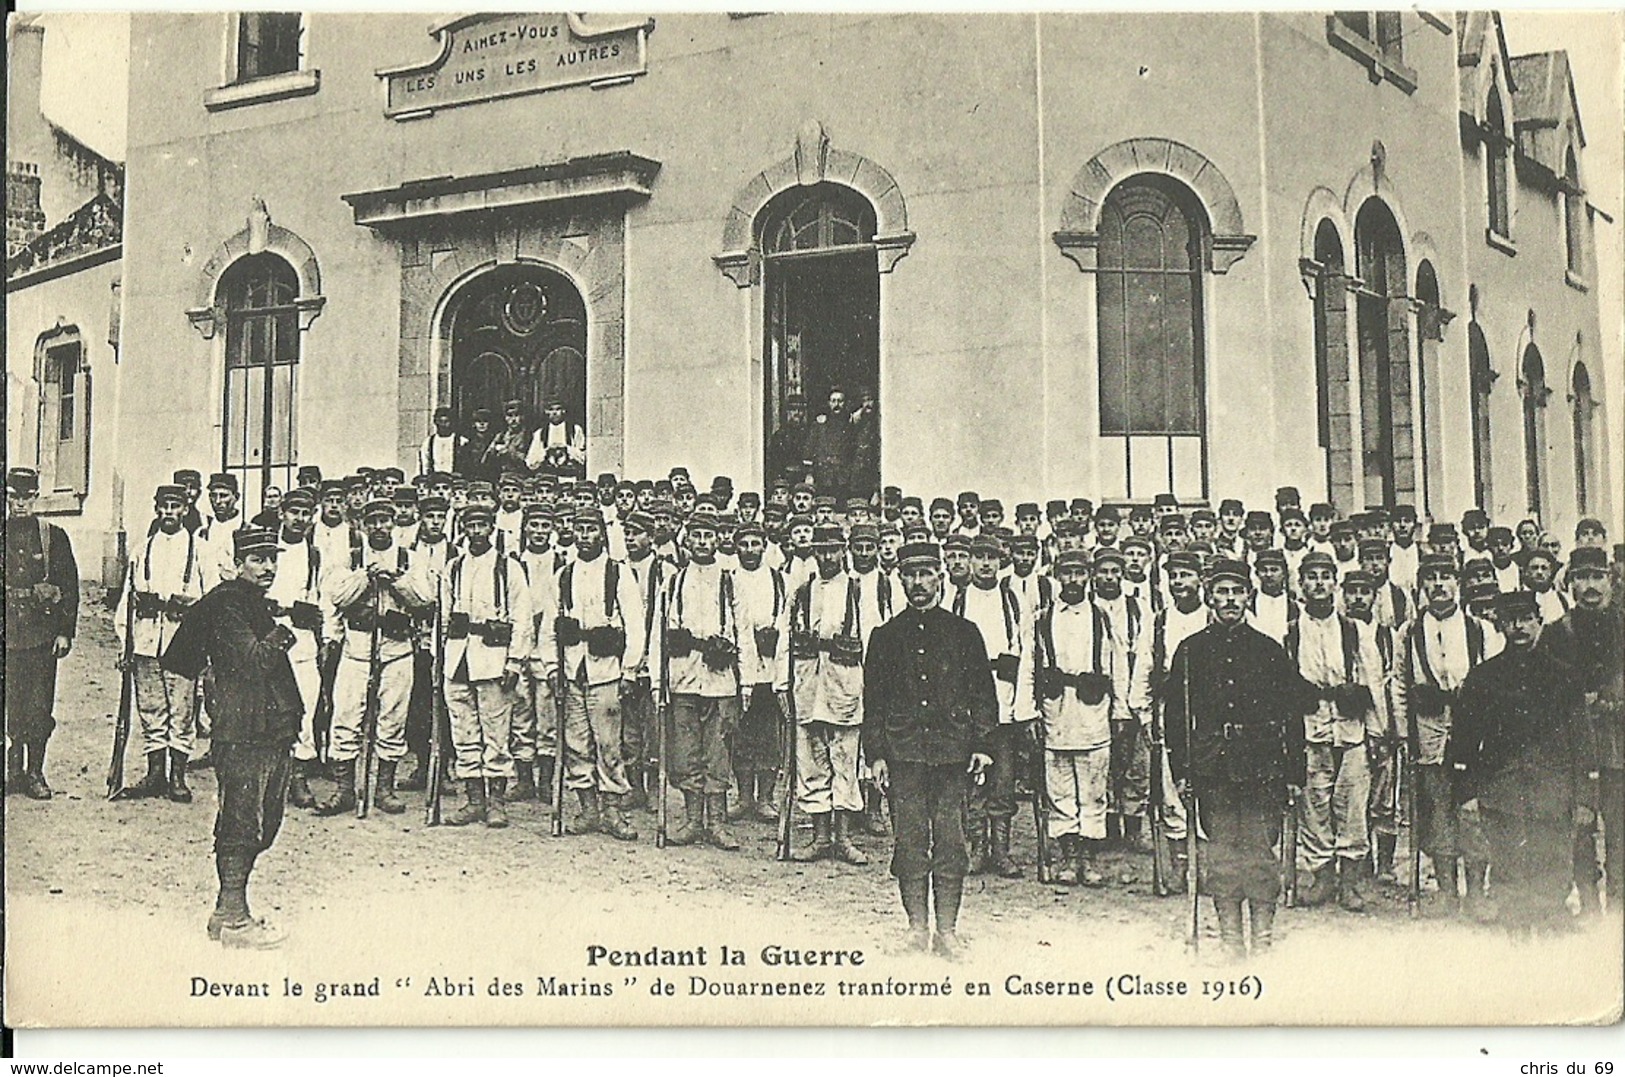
(700,726)
(1387,812)
(533,730)
(754,745)
(167,706)
(307,675)
(928,820)
(1531,864)
(349,709)
(1332,818)
(827,768)
(1130,768)
(639,734)
(30,694)
(995,798)
(1239,826)
(1446,830)
(480,713)
(1076,782)
(253,791)
(592,738)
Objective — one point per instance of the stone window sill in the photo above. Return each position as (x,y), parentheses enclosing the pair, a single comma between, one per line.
(1379,65)
(1575,281)
(256,91)
(1501,243)
(60,503)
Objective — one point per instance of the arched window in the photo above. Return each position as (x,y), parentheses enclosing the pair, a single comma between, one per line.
(1585,457)
(821,217)
(1149,308)
(262,362)
(1482,379)
(1429,335)
(1332,365)
(1574,209)
(1388,443)
(1495,166)
(1532,384)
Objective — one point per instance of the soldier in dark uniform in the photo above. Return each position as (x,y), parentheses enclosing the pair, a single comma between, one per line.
(255,724)
(787,450)
(1522,751)
(42,612)
(1590,640)
(929,708)
(1236,742)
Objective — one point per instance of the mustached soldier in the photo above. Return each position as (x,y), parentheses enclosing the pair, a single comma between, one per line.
(486,614)
(294,599)
(639,732)
(763,604)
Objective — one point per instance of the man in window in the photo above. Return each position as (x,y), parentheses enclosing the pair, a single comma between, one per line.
(559,447)
(474,458)
(42,613)
(831,446)
(439,450)
(787,450)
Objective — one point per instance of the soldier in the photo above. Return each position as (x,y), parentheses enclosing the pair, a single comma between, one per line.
(487,625)
(1442,645)
(1590,641)
(257,719)
(1232,518)
(762,601)
(1524,758)
(638,714)
(1345,546)
(1394,605)
(787,449)
(956,559)
(428,551)
(375,591)
(1342,676)
(1080,679)
(214,536)
(165,577)
(877,602)
(1402,557)
(597,624)
(941,518)
(1142,522)
(1259,533)
(190,480)
(439,450)
(1274,610)
(1295,544)
(1475,528)
(293,597)
(42,616)
(1383,729)
(932,705)
(827,636)
(1130,622)
(1006,627)
(1235,739)
(1322,517)
(1540,579)
(1035,589)
(831,446)
(510,512)
(1138,556)
(969,507)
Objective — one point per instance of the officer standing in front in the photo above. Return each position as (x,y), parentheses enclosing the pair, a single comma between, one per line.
(930,707)
(42,612)
(1235,741)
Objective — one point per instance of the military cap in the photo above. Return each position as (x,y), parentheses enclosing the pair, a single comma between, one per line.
(891,491)
(912,502)
(406,495)
(1474,518)
(746,530)
(1435,562)
(863,531)
(708,503)
(1359,578)
(1052,508)
(1373,546)
(442,412)
(1442,532)
(678,472)
(1172,521)
(968,497)
(299,497)
(1203,516)
(392,474)
(1317,559)
(536,511)
(513,407)
(1105,555)
(1342,527)
(1286,495)
(913,554)
(1139,543)
(458,482)
(985,546)
(1481,590)
(824,501)
(1139,512)
(247,540)
(1499,532)
(1065,526)
(772,511)
(795,400)
(480,487)
(357,481)
(1073,559)
(169,491)
(941,503)
(1516,604)
(1225,568)
(917,533)
(1231,504)
(222,480)
(639,521)
(1023,541)
(780,483)
(589,514)
(1183,559)
(331,486)
(437,478)
(1540,552)
(1477,566)
(366,471)
(1590,523)
(1082,506)
(799,520)
(308,475)
(662,487)
(992,504)
(750,497)
(1107,514)
(436,503)
(1376,514)
(380,506)
(643,485)
(856,503)
(22,481)
(1360,520)
(1404,513)
(1259,518)
(1290,513)
(802,488)
(472,513)
(188,476)
(1321,510)
(1201,546)
(827,537)
(956,542)
(889,527)
(1165,501)
(268,518)
(1272,556)
(511,478)
(1587,559)
(703,520)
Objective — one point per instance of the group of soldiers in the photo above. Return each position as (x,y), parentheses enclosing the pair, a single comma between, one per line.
(1295,687)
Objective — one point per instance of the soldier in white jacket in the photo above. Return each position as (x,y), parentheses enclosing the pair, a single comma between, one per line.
(486,613)
(763,603)
(296,603)
(166,575)
(1080,676)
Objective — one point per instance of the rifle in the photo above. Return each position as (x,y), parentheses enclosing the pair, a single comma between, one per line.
(1289,851)
(1406,765)
(559,686)
(1162,853)
(126,704)
(1194,928)
(369,708)
(662,738)
(431,798)
(321,722)
(787,757)
(1040,783)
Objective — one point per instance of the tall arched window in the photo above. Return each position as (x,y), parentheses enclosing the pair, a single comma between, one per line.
(1387,426)
(1332,365)
(1574,208)
(1482,378)
(1532,384)
(1149,306)
(1582,405)
(1429,335)
(262,361)
(1495,166)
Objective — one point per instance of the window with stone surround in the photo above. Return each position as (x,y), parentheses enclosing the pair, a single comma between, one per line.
(1532,386)
(1497,175)
(1582,404)
(1481,376)
(63,452)
(1574,212)
(268,43)
(262,364)
(1376,40)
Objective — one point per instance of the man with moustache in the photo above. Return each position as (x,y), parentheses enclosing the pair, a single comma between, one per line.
(763,604)
(293,597)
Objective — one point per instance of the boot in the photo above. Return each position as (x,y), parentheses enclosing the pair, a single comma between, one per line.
(179,792)
(1135,835)
(842,847)
(496,817)
(639,797)
(1477,903)
(765,811)
(874,813)
(745,806)
(474,805)
(544,778)
(1231,939)
(917,904)
(14,767)
(1322,886)
(589,818)
(946,895)
(1262,914)
(254,935)
(978,846)
(1065,871)
(1088,874)
(1444,873)
(716,829)
(231,906)
(383,797)
(1386,845)
(34,787)
(155,784)
(417,779)
(821,847)
(524,786)
(1351,883)
(999,860)
(615,822)
(299,794)
(343,798)
(691,828)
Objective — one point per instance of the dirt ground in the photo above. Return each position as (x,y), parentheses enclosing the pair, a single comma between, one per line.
(101,893)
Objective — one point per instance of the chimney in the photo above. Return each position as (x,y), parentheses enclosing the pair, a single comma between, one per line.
(25,124)
(24,218)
